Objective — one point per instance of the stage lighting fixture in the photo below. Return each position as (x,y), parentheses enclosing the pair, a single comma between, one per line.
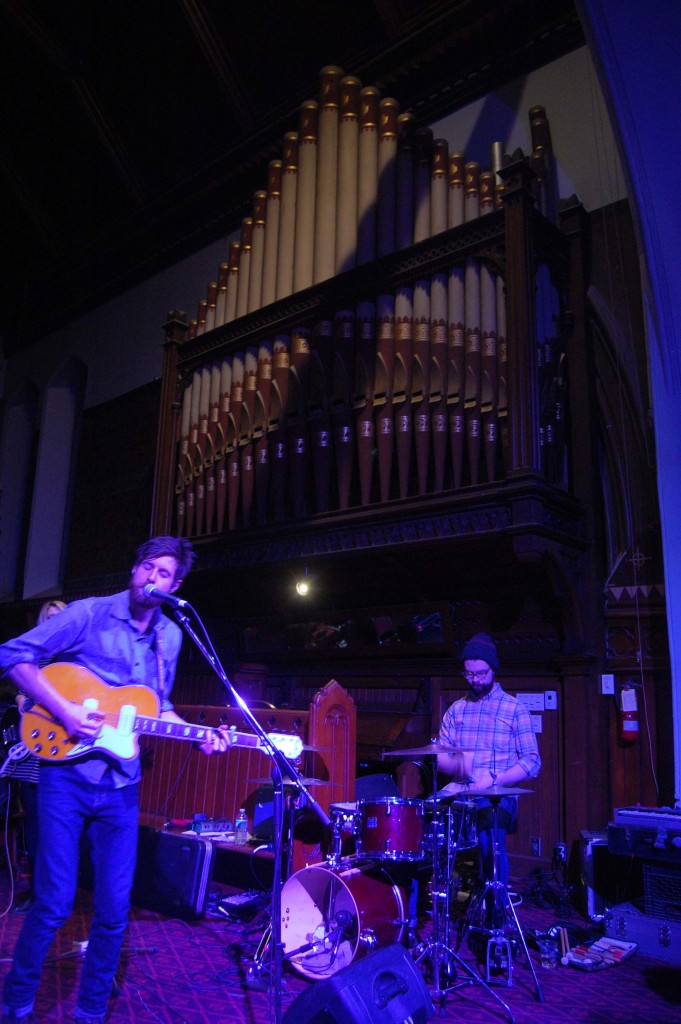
(303,584)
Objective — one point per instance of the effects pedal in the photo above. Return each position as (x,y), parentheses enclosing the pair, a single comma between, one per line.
(201,825)
(242,906)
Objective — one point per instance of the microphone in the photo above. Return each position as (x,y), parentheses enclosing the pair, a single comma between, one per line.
(344,921)
(149,590)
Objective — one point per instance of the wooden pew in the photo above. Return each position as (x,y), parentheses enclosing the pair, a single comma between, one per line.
(179,782)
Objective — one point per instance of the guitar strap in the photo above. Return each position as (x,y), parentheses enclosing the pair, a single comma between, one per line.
(161,666)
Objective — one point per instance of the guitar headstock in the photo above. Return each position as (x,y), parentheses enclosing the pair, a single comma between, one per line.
(289,745)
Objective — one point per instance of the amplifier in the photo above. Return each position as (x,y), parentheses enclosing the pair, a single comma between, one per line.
(662,891)
(656,843)
(607,879)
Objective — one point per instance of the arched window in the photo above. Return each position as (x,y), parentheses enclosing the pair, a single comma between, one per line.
(55,464)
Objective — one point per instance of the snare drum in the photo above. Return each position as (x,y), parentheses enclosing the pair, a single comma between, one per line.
(330,918)
(453,827)
(391,829)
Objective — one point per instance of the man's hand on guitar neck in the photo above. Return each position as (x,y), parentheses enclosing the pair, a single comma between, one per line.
(217,741)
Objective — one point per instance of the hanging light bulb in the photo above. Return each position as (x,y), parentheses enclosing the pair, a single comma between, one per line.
(303,584)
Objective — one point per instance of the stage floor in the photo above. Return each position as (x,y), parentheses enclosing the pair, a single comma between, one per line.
(194,972)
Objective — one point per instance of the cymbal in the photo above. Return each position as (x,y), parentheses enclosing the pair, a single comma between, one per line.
(441,797)
(499,791)
(429,750)
(289,782)
(306,749)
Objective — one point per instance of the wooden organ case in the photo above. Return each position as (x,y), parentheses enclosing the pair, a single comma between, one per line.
(382,357)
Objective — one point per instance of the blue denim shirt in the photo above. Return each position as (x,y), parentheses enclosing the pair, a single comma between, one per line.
(98,633)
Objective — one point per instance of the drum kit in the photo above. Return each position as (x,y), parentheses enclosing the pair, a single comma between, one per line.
(336,912)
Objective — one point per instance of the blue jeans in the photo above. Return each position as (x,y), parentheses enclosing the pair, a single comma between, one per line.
(68,805)
(506,822)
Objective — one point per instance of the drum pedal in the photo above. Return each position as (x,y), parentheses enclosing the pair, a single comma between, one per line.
(499,961)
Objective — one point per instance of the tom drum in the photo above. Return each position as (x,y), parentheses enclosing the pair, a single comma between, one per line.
(391,829)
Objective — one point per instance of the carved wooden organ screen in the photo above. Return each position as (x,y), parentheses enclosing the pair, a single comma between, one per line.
(387,326)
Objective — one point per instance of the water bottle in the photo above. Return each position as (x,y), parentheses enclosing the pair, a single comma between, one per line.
(241,828)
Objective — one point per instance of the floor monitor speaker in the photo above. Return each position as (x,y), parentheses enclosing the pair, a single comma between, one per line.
(384,987)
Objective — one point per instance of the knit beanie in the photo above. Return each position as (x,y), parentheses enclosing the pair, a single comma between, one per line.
(481,647)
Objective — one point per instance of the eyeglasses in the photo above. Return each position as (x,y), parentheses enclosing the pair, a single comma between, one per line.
(479,676)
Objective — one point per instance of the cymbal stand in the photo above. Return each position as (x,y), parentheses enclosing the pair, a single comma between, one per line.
(437,950)
(263,955)
(494,896)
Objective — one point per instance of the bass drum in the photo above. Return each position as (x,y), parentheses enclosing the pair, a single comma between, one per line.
(330,918)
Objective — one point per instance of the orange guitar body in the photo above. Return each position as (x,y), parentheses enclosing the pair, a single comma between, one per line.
(47,739)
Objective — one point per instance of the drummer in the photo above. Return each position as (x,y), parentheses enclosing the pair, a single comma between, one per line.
(499,748)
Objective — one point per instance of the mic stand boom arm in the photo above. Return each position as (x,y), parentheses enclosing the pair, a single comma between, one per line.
(282,768)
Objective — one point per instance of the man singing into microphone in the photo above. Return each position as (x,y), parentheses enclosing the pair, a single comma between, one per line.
(121,639)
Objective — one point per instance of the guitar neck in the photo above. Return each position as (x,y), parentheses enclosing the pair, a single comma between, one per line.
(168,729)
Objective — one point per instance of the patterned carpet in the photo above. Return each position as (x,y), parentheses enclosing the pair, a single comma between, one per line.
(192,972)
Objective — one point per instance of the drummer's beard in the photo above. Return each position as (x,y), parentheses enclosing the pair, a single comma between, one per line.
(479,690)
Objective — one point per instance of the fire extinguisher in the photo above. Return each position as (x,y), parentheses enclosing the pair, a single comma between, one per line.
(628,714)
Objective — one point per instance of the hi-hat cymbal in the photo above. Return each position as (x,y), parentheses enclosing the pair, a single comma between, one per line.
(429,750)
(289,782)
(499,791)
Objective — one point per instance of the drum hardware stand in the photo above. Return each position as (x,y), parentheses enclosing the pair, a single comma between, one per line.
(437,950)
(263,952)
(282,769)
(494,894)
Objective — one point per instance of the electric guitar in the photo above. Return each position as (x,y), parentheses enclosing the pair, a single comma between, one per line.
(129,711)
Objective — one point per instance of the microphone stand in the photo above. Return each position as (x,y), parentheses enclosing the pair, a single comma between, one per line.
(282,769)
